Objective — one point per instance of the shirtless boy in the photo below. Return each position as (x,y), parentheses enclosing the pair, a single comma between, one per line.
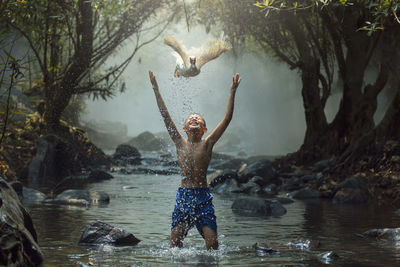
(193,205)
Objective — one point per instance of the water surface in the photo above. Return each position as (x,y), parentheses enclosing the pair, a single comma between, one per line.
(145,210)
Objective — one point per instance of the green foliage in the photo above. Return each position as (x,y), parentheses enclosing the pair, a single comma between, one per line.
(381,11)
(72,40)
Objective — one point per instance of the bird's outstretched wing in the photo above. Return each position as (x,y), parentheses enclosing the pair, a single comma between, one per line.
(213,49)
(178,47)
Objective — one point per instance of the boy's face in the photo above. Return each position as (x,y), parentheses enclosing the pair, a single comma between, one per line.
(194,124)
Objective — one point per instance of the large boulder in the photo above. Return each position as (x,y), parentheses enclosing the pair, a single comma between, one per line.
(147,141)
(44,165)
(220,176)
(57,156)
(262,168)
(30,195)
(101,233)
(127,154)
(228,187)
(383,233)
(257,207)
(18,241)
(81,197)
(351,196)
(352,191)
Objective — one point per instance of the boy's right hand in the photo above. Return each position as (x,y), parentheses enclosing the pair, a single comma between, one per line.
(153,80)
(235,82)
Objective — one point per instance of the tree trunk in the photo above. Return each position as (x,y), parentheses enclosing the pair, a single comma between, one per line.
(59,94)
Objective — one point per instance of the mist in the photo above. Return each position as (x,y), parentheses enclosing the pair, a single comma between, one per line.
(268,116)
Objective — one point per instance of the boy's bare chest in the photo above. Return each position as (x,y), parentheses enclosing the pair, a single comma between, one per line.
(191,153)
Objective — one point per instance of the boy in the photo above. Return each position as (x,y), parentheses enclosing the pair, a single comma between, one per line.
(194,200)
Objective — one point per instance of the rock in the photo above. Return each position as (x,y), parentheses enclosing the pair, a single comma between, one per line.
(241,169)
(284,200)
(81,197)
(17,186)
(294,183)
(220,177)
(356,182)
(98,176)
(213,176)
(328,257)
(308,178)
(269,191)
(257,207)
(298,173)
(250,188)
(353,191)
(44,164)
(18,241)
(32,195)
(383,233)
(305,193)
(101,233)
(323,165)
(228,187)
(57,157)
(147,141)
(263,249)
(350,196)
(276,208)
(262,168)
(126,151)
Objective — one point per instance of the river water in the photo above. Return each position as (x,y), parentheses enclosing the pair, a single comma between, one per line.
(145,210)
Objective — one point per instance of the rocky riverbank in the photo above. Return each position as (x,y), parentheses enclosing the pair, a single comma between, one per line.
(61,165)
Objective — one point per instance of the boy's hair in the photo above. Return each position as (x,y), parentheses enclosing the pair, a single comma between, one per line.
(205,125)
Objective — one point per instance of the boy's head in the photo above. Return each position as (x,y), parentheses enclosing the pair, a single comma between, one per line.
(195,124)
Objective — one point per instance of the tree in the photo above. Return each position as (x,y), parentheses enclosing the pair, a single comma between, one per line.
(319,39)
(71,41)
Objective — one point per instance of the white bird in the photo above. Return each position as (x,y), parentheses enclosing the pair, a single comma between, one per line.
(190,61)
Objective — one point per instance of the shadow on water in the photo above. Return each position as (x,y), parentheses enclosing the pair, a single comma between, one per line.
(142,205)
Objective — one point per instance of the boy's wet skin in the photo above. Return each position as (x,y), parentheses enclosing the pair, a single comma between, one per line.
(194,155)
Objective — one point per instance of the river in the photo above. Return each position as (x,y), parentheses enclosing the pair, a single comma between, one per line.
(145,210)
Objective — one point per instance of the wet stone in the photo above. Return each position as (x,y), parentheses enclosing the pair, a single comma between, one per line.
(328,257)
(248,206)
(101,233)
(81,197)
(32,195)
(383,233)
(351,196)
(228,187)
(262,168)
(263,249)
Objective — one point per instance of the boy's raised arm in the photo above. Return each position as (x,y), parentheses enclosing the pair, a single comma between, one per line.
(221,127)
(171,127)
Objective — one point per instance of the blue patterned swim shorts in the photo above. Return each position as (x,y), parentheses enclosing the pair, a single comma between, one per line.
(194,207)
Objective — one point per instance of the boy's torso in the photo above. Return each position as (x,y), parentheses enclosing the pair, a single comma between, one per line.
(193,159)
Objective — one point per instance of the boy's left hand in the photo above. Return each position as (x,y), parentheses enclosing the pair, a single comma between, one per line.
(153,80)
(235,82)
